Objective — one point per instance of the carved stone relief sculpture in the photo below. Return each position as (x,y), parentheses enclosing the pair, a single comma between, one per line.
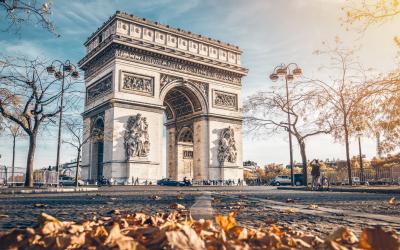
(99,88)
(225,100)
(137,83)
(227,151)
(136,138)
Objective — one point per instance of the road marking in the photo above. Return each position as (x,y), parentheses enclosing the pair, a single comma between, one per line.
(202,208)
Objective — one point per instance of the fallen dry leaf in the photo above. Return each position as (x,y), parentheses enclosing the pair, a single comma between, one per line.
(176,206)
(177,230)
(313,206)
(226,222)
(378,239)
(392,201)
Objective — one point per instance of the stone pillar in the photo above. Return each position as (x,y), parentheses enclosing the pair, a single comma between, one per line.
(108,142)
(201,152)
(172,166)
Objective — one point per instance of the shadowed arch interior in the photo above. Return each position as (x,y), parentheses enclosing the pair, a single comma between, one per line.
(180,102)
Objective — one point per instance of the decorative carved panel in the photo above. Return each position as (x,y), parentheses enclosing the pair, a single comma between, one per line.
(227,151)
(99,88)
(138,84)
(166,79)
(225,100)
(180,65)
(136,138)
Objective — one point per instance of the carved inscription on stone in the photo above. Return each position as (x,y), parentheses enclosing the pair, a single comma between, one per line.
(225,100)
(227,151)
(99,88)
(136,138)
(137,83)
(177,64)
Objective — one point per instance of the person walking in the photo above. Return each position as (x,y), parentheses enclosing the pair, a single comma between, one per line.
(315,174)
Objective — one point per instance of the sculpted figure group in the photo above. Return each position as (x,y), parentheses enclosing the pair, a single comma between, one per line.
(227,146)
(136,138)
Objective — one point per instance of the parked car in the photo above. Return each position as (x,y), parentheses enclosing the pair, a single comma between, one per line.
(355,180)
(169,182)
(281,180)
(69,181)
(298,179)
(286,180)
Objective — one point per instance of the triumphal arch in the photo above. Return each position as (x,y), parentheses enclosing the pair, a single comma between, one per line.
(141,76)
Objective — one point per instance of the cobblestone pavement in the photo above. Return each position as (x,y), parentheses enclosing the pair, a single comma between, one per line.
(255,206)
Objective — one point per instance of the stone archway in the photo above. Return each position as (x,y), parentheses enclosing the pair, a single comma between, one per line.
(183,106)
(135,72)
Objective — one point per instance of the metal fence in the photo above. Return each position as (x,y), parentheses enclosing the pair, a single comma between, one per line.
(17,177)
(7,177)
(378,176)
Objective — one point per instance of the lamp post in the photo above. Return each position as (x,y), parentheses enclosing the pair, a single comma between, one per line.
(359,134)
(61,70)
(288,72)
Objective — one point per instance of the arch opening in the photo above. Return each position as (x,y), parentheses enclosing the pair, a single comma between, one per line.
(182,104)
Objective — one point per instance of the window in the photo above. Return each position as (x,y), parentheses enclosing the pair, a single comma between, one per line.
(124,27)
(187,154)
(100,38)
(183,43)
(172,39)
(161,37)
(137,30)
(149,33)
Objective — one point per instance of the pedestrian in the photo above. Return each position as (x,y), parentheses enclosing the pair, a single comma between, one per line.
(315,173)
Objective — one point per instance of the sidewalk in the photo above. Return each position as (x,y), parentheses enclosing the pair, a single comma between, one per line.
(355,189)
(24,190)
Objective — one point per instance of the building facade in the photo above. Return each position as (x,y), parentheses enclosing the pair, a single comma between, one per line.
(141,76)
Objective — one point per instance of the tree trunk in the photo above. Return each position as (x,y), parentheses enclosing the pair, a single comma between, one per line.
(346,138)
(13,164)
(29,162)
(304,161)
(77,167)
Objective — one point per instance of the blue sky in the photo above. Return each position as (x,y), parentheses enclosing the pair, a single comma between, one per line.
(269,32)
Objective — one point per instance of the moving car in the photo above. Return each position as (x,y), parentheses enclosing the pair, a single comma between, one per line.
(169,182)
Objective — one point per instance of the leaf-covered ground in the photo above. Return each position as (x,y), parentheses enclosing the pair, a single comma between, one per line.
(177,230)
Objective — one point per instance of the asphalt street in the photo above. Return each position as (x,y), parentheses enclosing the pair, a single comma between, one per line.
(319,212)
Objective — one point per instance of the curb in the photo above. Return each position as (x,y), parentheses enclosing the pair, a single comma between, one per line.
(349,190)
(49,190)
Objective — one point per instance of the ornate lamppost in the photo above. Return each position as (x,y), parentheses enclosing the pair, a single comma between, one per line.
(288,72)
(61,71)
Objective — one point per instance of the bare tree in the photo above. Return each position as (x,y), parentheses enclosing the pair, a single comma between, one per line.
(346,97)
(267,112)
(15,131)
(20,12)
(78,136)
(29,97)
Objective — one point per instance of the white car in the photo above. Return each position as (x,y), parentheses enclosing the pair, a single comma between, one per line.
(69,181)
(281,180)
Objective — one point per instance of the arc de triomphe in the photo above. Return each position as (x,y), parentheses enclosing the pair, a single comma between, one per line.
(141,76)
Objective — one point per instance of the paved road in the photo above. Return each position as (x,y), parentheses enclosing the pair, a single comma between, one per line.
(255,206)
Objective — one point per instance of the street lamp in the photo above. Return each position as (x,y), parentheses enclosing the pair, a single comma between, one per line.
(289,72)
(61,70)
(359,134)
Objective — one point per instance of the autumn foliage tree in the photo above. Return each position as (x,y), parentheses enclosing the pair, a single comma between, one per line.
(266,112)
(29,97)
(347,98)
